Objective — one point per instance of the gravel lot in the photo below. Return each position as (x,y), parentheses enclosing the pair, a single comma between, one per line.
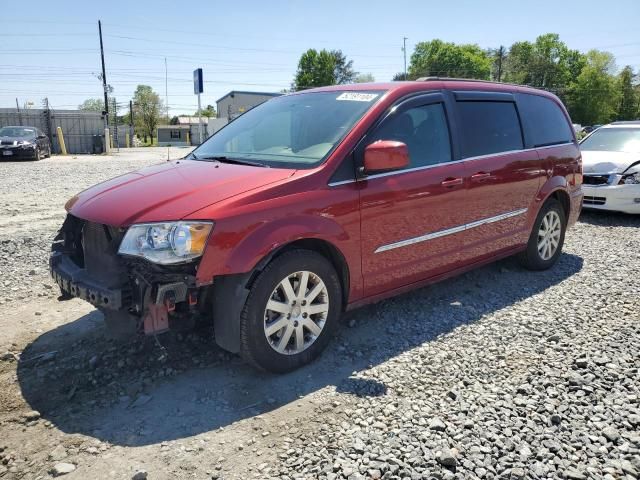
(500,373)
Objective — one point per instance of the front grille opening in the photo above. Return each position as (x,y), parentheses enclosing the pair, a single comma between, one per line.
(595,179)
(589,200)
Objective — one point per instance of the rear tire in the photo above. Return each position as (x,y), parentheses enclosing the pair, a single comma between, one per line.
(282,331)
(547,237)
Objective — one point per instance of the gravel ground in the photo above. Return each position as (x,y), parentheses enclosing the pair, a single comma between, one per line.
(500,373)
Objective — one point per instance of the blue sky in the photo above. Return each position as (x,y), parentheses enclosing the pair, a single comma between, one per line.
(51,48)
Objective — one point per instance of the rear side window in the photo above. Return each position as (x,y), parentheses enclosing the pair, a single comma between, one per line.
(425,132)
(546,123)
(488,127)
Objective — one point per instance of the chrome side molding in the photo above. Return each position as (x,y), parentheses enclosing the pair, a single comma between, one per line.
(450,231)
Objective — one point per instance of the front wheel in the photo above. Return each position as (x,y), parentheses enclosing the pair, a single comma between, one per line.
(291,313)
(547,237)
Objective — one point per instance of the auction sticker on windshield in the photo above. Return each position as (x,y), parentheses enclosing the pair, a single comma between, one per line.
(357,97)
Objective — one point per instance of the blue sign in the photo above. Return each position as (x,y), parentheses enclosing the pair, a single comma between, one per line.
(197,81)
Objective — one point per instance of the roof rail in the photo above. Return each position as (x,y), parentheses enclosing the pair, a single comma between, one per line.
(447,79)
(433,79)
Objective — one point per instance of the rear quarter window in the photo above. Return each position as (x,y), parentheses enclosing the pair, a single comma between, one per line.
(488,127)
(545,121)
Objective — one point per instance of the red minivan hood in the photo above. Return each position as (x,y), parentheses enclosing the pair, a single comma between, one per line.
(168,191)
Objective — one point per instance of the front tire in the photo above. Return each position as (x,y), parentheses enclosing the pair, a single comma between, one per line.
(291,313)
(547,237)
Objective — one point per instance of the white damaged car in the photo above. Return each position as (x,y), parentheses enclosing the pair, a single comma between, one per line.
(611,164)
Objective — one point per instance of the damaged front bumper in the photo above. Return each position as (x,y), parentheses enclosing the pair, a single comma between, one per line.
(151,298)
(76,282)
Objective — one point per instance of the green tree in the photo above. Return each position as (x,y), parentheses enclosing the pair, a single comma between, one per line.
(547,63)
(210,111)
(315,69)
(320,68)
(147,108)
(92,105)
(443,59)
(593,96)
(364,78)
(628,109)
(343,69)
(400,76)
(498,59)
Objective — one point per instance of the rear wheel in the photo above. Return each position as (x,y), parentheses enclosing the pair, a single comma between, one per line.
(547,237)
(291,312)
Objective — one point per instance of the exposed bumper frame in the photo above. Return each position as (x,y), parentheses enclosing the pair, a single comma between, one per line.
(75,281)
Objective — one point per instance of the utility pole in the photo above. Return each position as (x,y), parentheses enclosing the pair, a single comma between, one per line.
(19,112)
(166,89)
(500,57)
(404,50)
(104,86)
(116,141)
(131,131)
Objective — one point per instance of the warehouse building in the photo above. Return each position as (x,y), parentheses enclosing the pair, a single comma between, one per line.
(236,102)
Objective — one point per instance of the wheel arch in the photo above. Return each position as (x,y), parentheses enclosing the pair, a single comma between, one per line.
(236,287)
(555,187)
(321,246)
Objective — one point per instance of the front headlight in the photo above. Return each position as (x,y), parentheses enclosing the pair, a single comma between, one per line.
(630,179)
(166,243)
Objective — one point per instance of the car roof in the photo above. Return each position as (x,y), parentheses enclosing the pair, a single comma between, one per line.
(434,83)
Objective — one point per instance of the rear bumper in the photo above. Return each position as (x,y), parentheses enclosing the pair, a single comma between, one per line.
(615,198)
(76,282)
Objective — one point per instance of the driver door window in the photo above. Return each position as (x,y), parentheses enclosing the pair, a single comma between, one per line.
(424,130)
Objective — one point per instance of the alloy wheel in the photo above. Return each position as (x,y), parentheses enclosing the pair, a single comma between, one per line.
(296,312)
(549,235)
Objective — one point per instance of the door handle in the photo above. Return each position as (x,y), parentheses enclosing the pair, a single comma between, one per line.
(451,182)
(478,177)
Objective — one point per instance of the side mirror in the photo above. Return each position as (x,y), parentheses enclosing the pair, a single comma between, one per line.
(42,136)
(385,155)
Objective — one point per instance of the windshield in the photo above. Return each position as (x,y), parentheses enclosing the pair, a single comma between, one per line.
(293,131)
(613,140)
(17,132)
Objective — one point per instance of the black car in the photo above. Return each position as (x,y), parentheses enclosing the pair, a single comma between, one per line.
(18,143)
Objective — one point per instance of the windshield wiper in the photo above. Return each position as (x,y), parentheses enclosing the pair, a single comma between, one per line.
(238,161)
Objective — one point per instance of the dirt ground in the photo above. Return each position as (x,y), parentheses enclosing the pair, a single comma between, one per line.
(179,407)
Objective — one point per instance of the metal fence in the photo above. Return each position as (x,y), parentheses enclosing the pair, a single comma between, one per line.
(79,127)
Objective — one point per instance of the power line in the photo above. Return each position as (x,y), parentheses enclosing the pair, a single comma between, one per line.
(232,48)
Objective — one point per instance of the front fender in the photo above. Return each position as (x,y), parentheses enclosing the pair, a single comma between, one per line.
(275,234)
(245,236)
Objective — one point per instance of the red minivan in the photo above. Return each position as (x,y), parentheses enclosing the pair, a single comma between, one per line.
(320,201)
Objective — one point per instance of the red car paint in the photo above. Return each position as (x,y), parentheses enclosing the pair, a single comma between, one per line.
(258,210)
